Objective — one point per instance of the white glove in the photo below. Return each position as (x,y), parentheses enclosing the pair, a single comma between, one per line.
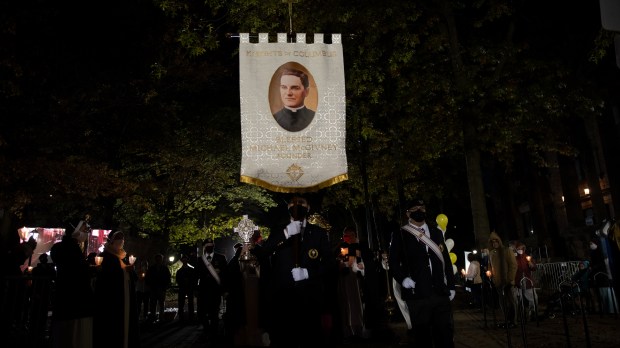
(452,294)
(293,228)
(356,268)
(299,273)
(408,283)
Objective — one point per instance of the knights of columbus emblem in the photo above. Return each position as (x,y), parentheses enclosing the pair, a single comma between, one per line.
(294,172)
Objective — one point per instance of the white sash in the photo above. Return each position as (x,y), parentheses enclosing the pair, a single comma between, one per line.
(210,268)
(431,244)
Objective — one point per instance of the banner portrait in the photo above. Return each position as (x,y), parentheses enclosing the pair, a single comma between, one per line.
(293,113)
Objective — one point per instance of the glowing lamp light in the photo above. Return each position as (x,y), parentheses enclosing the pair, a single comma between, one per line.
(586,191)
(489,274)
(171,258)
(98,260)
(344,251)
(132,259)
(528,258)
(474,252)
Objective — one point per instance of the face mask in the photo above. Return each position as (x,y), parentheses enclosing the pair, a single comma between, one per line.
(418,216)
(520,252)
(298,212)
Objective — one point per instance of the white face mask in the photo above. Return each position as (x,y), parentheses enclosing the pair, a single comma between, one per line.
(520,252)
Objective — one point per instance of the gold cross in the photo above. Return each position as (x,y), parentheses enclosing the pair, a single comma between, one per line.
(290,13)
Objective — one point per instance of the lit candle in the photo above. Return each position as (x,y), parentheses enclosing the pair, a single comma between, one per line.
(30,268)
(489,274)
(344,251)
(132,259)
(529,258)
(98,260)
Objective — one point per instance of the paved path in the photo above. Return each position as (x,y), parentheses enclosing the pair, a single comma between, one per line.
(471,331)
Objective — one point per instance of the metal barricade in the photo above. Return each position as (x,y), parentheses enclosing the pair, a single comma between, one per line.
(549,276)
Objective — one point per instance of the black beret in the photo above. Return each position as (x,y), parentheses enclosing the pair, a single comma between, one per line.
(416,202)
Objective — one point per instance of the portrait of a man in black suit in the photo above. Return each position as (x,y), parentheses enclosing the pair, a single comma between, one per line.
(294,88)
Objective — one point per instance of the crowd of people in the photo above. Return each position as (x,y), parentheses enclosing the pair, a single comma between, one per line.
(297,288)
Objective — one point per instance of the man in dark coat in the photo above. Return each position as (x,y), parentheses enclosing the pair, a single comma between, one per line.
(300,259)
(158,280)
(211,267)
(72,311)
(420,262)
(186,280)
(116,315)
(294,87)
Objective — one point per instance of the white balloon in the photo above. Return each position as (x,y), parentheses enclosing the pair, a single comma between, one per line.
(454,269)
(449,244)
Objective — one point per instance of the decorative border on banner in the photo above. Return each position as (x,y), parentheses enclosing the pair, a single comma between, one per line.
(330,166)
(286,189)
(319,38)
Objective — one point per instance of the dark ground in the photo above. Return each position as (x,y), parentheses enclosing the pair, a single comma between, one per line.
(471,330)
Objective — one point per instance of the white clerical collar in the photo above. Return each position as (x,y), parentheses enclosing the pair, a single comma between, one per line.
(295,109)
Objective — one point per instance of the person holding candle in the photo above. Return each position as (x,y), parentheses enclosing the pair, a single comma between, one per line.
(116,315)
(473,276)
(524,281)
(502,271)
(349,289)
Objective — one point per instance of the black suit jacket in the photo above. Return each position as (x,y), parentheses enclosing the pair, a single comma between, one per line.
(206,281)
(294,121)
(314,255)
(409,258)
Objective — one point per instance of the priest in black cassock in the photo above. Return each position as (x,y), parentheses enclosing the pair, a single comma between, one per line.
(294,87)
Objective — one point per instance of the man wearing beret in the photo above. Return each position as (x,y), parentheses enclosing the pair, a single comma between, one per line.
(421,264)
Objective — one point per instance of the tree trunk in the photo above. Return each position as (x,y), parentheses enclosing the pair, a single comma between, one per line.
(476,189)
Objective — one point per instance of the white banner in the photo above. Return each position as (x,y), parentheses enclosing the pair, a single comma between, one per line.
(293,113)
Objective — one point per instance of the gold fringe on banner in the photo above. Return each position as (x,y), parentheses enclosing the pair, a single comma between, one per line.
(293,112)
(283,189)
